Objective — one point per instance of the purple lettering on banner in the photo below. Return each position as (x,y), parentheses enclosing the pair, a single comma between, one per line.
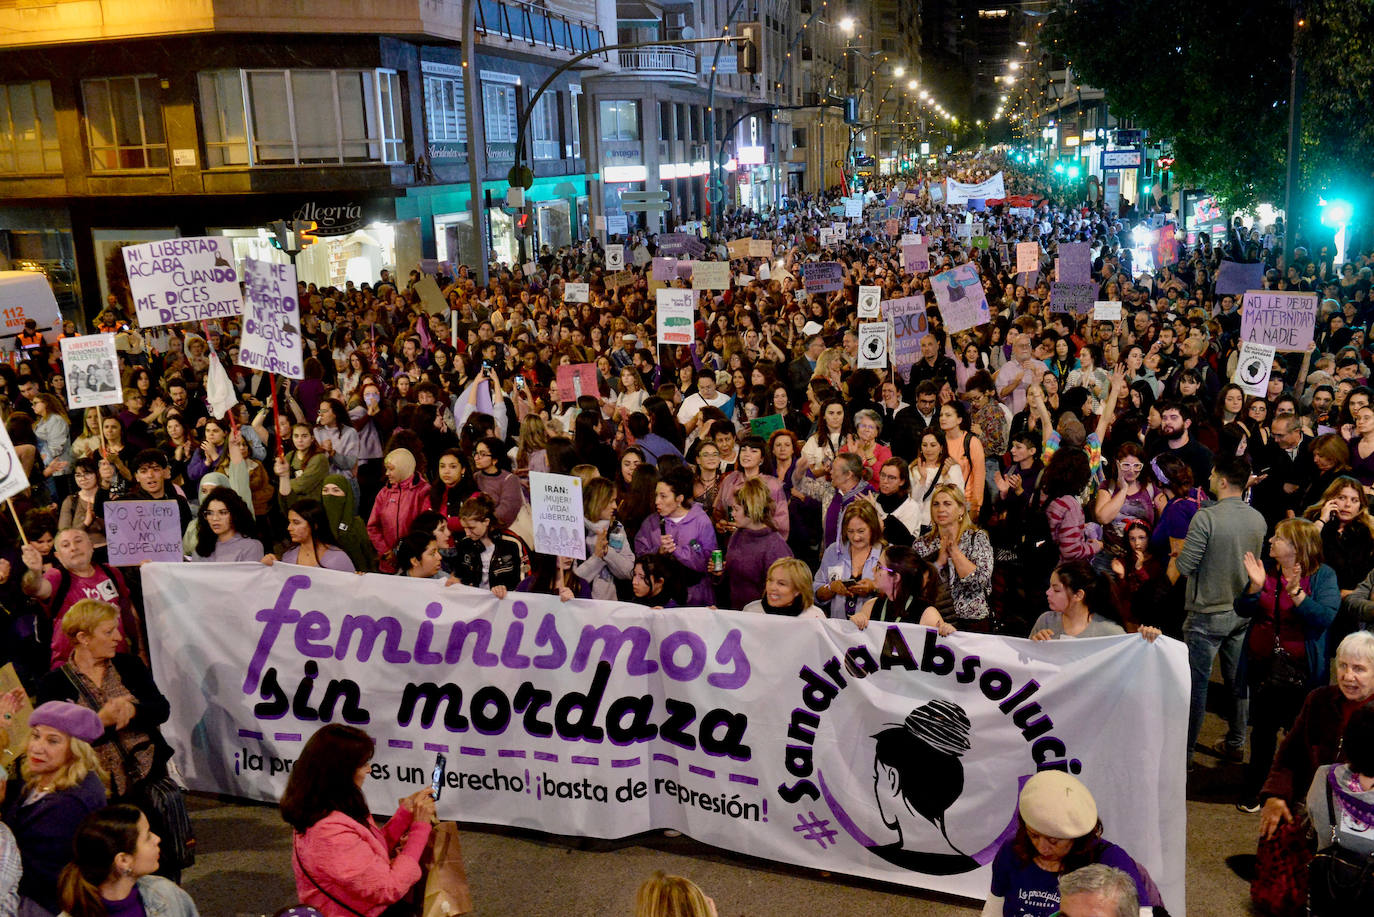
(823,276)
(469,750)
(583,759)
(274,617)
(399,743)
(666,759)
(701,771)
(625,762)
(510,753)
(434,746)
(745,779)
(250,734)
(546,756)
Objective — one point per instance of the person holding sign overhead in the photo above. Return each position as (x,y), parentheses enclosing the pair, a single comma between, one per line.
(78,578)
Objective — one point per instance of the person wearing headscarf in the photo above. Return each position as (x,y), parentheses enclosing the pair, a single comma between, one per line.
(348,528)
(398,503)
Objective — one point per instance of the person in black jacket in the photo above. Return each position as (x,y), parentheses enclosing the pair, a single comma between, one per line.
(505,564)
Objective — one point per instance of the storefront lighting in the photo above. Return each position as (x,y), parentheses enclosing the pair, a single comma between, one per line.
(612,175)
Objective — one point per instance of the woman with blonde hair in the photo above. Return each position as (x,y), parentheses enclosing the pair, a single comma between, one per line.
(1291,604)
(962,553)
(755,543)
(672,896)
(787,591)
(845,575)
(62,783)
(89,440)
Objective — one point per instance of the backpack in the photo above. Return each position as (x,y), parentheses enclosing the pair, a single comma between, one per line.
(1340,881)
(125,604)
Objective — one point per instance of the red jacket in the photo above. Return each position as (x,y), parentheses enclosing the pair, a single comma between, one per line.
(352,862)
(396,508)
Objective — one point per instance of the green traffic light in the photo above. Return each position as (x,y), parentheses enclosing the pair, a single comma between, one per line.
(1336,213)
(1059,167)
(1073,171)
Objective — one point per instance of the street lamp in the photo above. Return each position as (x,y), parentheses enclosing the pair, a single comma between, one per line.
(847,23)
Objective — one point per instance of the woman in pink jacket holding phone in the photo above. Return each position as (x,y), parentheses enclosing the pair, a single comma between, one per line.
(343,862)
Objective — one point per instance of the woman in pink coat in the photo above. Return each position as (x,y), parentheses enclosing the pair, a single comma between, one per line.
(342,860)
(404,497)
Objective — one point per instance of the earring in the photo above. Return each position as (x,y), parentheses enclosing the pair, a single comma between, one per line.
(126,872)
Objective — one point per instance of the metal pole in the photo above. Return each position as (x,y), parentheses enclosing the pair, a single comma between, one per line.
(1296,84)
(711,120)
(477,147)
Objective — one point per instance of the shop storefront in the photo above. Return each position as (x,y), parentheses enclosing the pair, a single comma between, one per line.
(560,217)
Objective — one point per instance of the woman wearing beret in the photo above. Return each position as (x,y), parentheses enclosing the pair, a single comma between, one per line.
(60,782)
(1057,831)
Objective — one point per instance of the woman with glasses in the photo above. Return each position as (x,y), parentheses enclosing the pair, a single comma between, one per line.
(84,509)
(909,590)
(491,464)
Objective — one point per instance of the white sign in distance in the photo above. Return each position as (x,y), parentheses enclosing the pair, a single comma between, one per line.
(869,298)
(615,257)
(873,345)
(1253,367)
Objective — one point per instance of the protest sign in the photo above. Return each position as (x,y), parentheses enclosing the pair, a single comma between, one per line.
(746,732)
(837,210)
(680,243)
(908,318)
(556,508)
(664,269)
(1075,262)
(1165,247)
(910,238)
(1105,311)
(183,280)
(868,301)
(825,236)
(91,367)
(959,294)
(937,194)
(431,299)
(760,248)
(617,224)
(13,479)
(1027,257)
(766,425)
(641,256)
(676,316)
(1253,366)
(743,280)
(271,339)
(739,248)
(27,295)
(620,279)
(1236,278)
(840,231)
(822,276)
(577,292)
(1283,320)
(1073,298)
(854,208)
(615,257)
(143,530)
(577,379)
(873,344)
(529,268)
(916,258)
(958,193)
(982,242)
(18,722)
(892,227)
(710,275)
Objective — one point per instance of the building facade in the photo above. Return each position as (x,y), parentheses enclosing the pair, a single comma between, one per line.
(134,122)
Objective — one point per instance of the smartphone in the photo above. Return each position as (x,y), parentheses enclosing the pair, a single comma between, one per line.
(519,381)
(436,783)
(850,583)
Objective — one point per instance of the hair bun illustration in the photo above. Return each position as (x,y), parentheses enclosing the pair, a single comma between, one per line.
(943,725)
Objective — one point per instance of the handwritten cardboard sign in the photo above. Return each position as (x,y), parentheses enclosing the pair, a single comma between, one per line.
(183,280)
(140,530)
(272,322)
(576,380)
(1283,320)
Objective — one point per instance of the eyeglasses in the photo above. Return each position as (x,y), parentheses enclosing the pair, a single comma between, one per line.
(887,570)
(481,452)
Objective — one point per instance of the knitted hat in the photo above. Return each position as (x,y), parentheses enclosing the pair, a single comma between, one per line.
(76,721)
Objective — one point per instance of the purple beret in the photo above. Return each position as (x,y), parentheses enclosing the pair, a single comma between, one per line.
(76,721)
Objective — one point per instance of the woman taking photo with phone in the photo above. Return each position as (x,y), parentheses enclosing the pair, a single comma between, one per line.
(342,861)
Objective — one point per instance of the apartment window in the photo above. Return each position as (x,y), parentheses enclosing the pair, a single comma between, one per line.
(124,124)
(500,112)
(544,127)
(300,117)
(799,137)
(619,120)
(575,110)
(28,129)
(445,115)
(665,120)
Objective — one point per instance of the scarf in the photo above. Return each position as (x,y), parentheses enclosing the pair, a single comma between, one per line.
(792,610)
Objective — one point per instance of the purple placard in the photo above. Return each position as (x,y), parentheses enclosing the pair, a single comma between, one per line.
(1075,263)
(1238,279)
(139,530)
(823,276)
(1074,298)
(915,258)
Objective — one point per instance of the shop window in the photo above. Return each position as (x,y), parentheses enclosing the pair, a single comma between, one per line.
(544,127)
(301,117)
(28,129)
(445,115)
(124,124)
(619,119)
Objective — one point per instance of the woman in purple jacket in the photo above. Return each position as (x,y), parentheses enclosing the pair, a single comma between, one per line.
(681,528)
(755,544)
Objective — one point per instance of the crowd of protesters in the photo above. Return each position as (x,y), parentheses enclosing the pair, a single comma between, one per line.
(1042,475)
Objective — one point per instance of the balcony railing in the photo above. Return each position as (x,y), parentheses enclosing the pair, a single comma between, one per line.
(660,61)
(537,26)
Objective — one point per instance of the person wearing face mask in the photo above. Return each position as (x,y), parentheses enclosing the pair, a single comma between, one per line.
(348,529)
(397,505)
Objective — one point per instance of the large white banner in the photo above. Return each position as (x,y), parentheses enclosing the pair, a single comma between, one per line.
(989,189)
(889,753)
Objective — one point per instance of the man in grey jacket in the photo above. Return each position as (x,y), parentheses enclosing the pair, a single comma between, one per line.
(1213,560)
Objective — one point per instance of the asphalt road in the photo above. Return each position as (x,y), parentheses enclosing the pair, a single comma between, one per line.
(243,866)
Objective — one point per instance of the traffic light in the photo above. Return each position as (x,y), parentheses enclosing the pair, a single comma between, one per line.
(851,109)
(1336,213)
(748,52)
(524,223)
(305,233)
(280,238)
